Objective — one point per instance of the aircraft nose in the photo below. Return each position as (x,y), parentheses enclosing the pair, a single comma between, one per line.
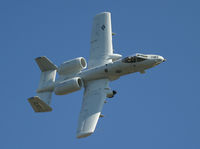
(159,60)
(162,59)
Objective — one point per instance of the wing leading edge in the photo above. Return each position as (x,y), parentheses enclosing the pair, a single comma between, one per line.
(92,105)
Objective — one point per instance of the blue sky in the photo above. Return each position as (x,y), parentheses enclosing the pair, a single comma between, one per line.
(159,109)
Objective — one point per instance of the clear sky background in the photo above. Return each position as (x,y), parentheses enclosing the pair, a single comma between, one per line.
(156,110)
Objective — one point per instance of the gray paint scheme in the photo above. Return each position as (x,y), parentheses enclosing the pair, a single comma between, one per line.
(104,66)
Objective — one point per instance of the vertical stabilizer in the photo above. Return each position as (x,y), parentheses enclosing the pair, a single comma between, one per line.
(41,102)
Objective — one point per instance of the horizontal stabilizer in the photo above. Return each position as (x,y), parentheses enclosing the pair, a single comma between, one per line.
(45,64)
(38,105)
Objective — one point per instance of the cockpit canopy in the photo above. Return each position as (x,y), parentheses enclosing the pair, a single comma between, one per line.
(135,58)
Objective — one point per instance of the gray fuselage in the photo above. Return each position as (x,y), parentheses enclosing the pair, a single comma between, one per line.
(114,70)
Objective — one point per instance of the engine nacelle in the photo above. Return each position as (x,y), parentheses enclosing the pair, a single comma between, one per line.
(72,66)
(68,86)
(111,93)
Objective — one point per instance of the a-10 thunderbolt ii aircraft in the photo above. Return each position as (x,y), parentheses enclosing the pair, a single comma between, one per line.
(103,66)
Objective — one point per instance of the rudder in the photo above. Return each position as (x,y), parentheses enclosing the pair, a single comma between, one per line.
(41,102)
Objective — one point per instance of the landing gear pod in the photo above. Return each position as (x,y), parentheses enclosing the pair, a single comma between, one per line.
(111,93)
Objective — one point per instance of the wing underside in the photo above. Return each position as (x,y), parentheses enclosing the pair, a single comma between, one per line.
(101,40)
(95,93)
(92,105)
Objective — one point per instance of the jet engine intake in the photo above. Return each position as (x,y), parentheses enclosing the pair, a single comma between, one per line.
(68,86)
(72,66)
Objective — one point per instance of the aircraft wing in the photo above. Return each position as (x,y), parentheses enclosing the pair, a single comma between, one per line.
(92,105)
(101,40)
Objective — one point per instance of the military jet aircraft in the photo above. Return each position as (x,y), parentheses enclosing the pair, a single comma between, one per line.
(103,66)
